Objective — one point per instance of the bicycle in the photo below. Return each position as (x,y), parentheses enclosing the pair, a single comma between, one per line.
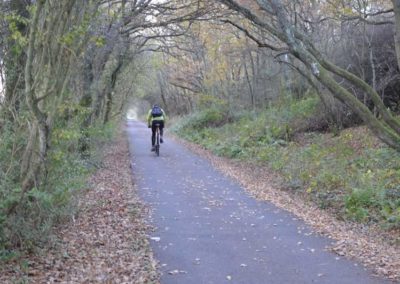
(157,145)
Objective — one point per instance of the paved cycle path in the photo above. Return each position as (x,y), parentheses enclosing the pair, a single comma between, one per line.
(208,230)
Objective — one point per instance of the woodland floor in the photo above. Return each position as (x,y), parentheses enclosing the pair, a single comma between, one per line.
(107,241)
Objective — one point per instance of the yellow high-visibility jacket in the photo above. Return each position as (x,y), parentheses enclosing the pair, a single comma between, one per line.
(150,118)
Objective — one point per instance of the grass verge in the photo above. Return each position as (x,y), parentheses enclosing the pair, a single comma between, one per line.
(352,174)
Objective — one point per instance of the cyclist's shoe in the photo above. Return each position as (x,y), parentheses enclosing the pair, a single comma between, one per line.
(161,140)
(153,148)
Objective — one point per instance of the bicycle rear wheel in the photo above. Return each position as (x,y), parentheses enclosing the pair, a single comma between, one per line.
(158,142)
(158,150)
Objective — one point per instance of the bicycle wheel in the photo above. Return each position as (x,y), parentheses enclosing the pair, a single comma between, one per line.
(158,150)
(158,142)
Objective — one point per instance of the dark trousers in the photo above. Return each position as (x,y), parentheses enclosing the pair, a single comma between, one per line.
(153,130)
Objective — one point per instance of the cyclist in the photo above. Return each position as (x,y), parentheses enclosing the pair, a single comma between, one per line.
(155,116)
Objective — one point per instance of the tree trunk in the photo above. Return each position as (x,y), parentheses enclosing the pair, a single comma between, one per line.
(249,83)
(30,167)
(388,130)
(396,8)
(162,94)
(109,96)
(15,62)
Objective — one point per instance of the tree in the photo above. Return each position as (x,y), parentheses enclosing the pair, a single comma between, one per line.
(276,21)
(396,9)
(12,56)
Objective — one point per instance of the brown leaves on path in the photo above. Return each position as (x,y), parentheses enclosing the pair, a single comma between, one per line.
(373,247)
(106,242)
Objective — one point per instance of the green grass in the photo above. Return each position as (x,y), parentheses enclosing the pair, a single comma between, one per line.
(351,174)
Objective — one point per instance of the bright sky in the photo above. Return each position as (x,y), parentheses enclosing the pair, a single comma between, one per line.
(132,114)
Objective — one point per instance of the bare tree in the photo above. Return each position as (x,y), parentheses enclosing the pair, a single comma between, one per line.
(276,21)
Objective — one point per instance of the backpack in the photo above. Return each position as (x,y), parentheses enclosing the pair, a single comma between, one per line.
(156,111)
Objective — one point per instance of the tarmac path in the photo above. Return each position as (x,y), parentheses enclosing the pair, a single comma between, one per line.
(208,230)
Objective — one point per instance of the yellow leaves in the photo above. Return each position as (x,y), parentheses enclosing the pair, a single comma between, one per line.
(340,9)
(209,100)
(223,48)
(157,61)
(218,71)
(99,41)
(74,36)
(348,11)
(223,66)
(72,107)
(348,136)
(14,24)
(313,184)
(19,38)
(67,39)
(58,155)
(68,135)
(391,173)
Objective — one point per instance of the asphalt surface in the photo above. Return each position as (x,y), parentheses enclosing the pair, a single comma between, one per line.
(208,230)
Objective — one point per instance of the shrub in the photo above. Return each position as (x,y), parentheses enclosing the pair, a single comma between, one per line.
(350,174)
(358,202)
(41,208)
(212,117)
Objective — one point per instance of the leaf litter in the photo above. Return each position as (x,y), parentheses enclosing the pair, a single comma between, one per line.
(375,248)
(105,243)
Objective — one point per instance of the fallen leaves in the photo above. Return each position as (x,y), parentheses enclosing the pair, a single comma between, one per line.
(372,246)
(176,271)
(105,243)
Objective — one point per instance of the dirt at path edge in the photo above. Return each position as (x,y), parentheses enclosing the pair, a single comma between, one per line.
(105,243)
(368,246)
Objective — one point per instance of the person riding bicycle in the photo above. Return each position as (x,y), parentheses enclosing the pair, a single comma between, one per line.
(155,116)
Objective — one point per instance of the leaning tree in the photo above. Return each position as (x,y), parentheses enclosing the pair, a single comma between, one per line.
(273,18)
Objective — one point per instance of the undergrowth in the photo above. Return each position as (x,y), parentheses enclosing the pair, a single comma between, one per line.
(350,174)
(30,223)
